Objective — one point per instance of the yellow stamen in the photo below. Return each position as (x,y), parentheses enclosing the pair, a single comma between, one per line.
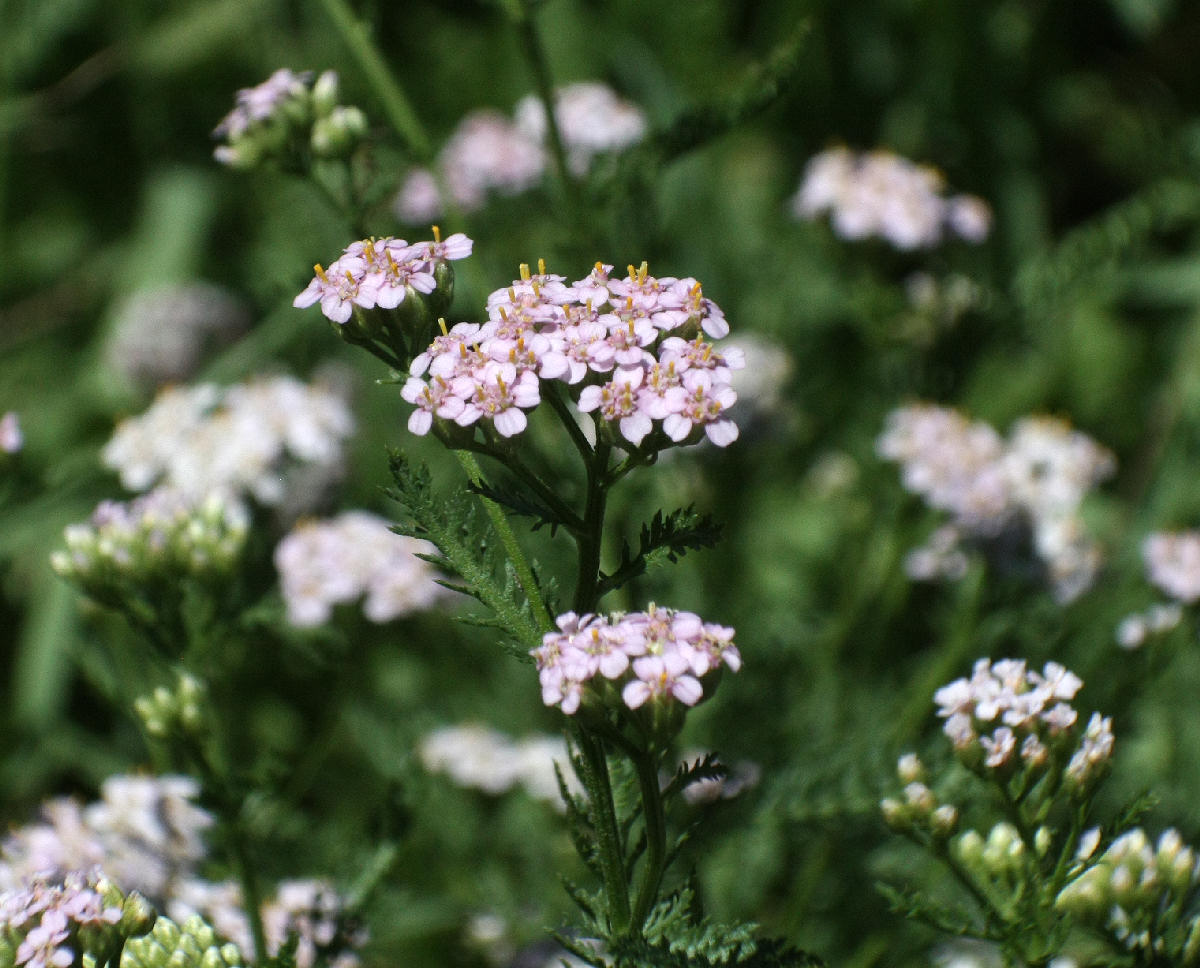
(643,271)
(320,273)
(632,271)
(524,271)
(442,325)
(541,267)
(437,235)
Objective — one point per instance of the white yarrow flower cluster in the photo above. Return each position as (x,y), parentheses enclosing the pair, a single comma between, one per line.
(880,194)
(310,909)
(379,273)
(145,833)
(1007,717)
(490,154)
(1037,478)
(629,351)
(660,655)
(161,335)
(243,441)
(1159,619)
(476,757)
(1173,563)
(342,559)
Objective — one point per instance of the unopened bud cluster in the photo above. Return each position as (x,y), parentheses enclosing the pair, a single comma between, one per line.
(192,944)
(287,120)
(80,920)
(1000,862)
(160,536)
(1007,718)
(166,712)
(1140,893)
(920,809)
(658,656)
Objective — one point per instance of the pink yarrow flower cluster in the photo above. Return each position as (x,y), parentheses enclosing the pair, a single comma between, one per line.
(1006,714)
(660,654)
(379,273)
(632,351)
(48,915)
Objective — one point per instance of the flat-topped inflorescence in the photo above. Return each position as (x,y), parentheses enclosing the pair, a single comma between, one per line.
(327,562)
(880,194)
(657,656)
(635,352)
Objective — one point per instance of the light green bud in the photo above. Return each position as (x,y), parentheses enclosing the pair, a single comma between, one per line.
(970,848)
(910,769)
(895,815)
(1191,947)
(325,93)
(943,820)
(231,955)
(1043,840)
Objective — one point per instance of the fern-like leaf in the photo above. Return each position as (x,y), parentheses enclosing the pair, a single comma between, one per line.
(664,538)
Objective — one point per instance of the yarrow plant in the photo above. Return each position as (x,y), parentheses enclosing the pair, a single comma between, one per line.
(1044,884)
(1034,482)
(626,365)
(489,153)
(880,194)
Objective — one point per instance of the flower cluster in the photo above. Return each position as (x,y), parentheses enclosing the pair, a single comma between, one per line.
(285,119)
(881,194)
(658,655)
(147,834)
(47,924)
(162,535)
(1139,893)
(311,910)
(1158,619)
(144,832)
(323,563)
(1173,563)
(920,809)
(161,335)
(379,272)
(1007,717)
(1036,479)
(630,351)
(251,439)
(480,758)
(488,153)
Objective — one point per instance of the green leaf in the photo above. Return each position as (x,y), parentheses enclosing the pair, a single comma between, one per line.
(664,538)
(467,550)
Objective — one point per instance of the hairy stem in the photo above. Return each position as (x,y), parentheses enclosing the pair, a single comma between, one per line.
(396,104)
(587,588)
(513,550)
(608,838)
(656,837)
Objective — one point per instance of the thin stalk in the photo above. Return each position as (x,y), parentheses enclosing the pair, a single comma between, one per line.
(571,521)
(251,898)
(590,539)
(396,104)
(656,837)
(554,396)
(535,54)
(608,839)
(513,550)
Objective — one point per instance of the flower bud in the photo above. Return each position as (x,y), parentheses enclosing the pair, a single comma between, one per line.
(969,848)
(910,769)
(943,821)
(1043,840)
(325,93)
(895,815)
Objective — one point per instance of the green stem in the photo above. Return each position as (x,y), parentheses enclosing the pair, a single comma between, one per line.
(608,839)
(587,588)
(571,521)
(535,54)
(656,837)
(515,555)
(396,105)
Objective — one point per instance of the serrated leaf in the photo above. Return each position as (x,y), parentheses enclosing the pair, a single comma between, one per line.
(664,538)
